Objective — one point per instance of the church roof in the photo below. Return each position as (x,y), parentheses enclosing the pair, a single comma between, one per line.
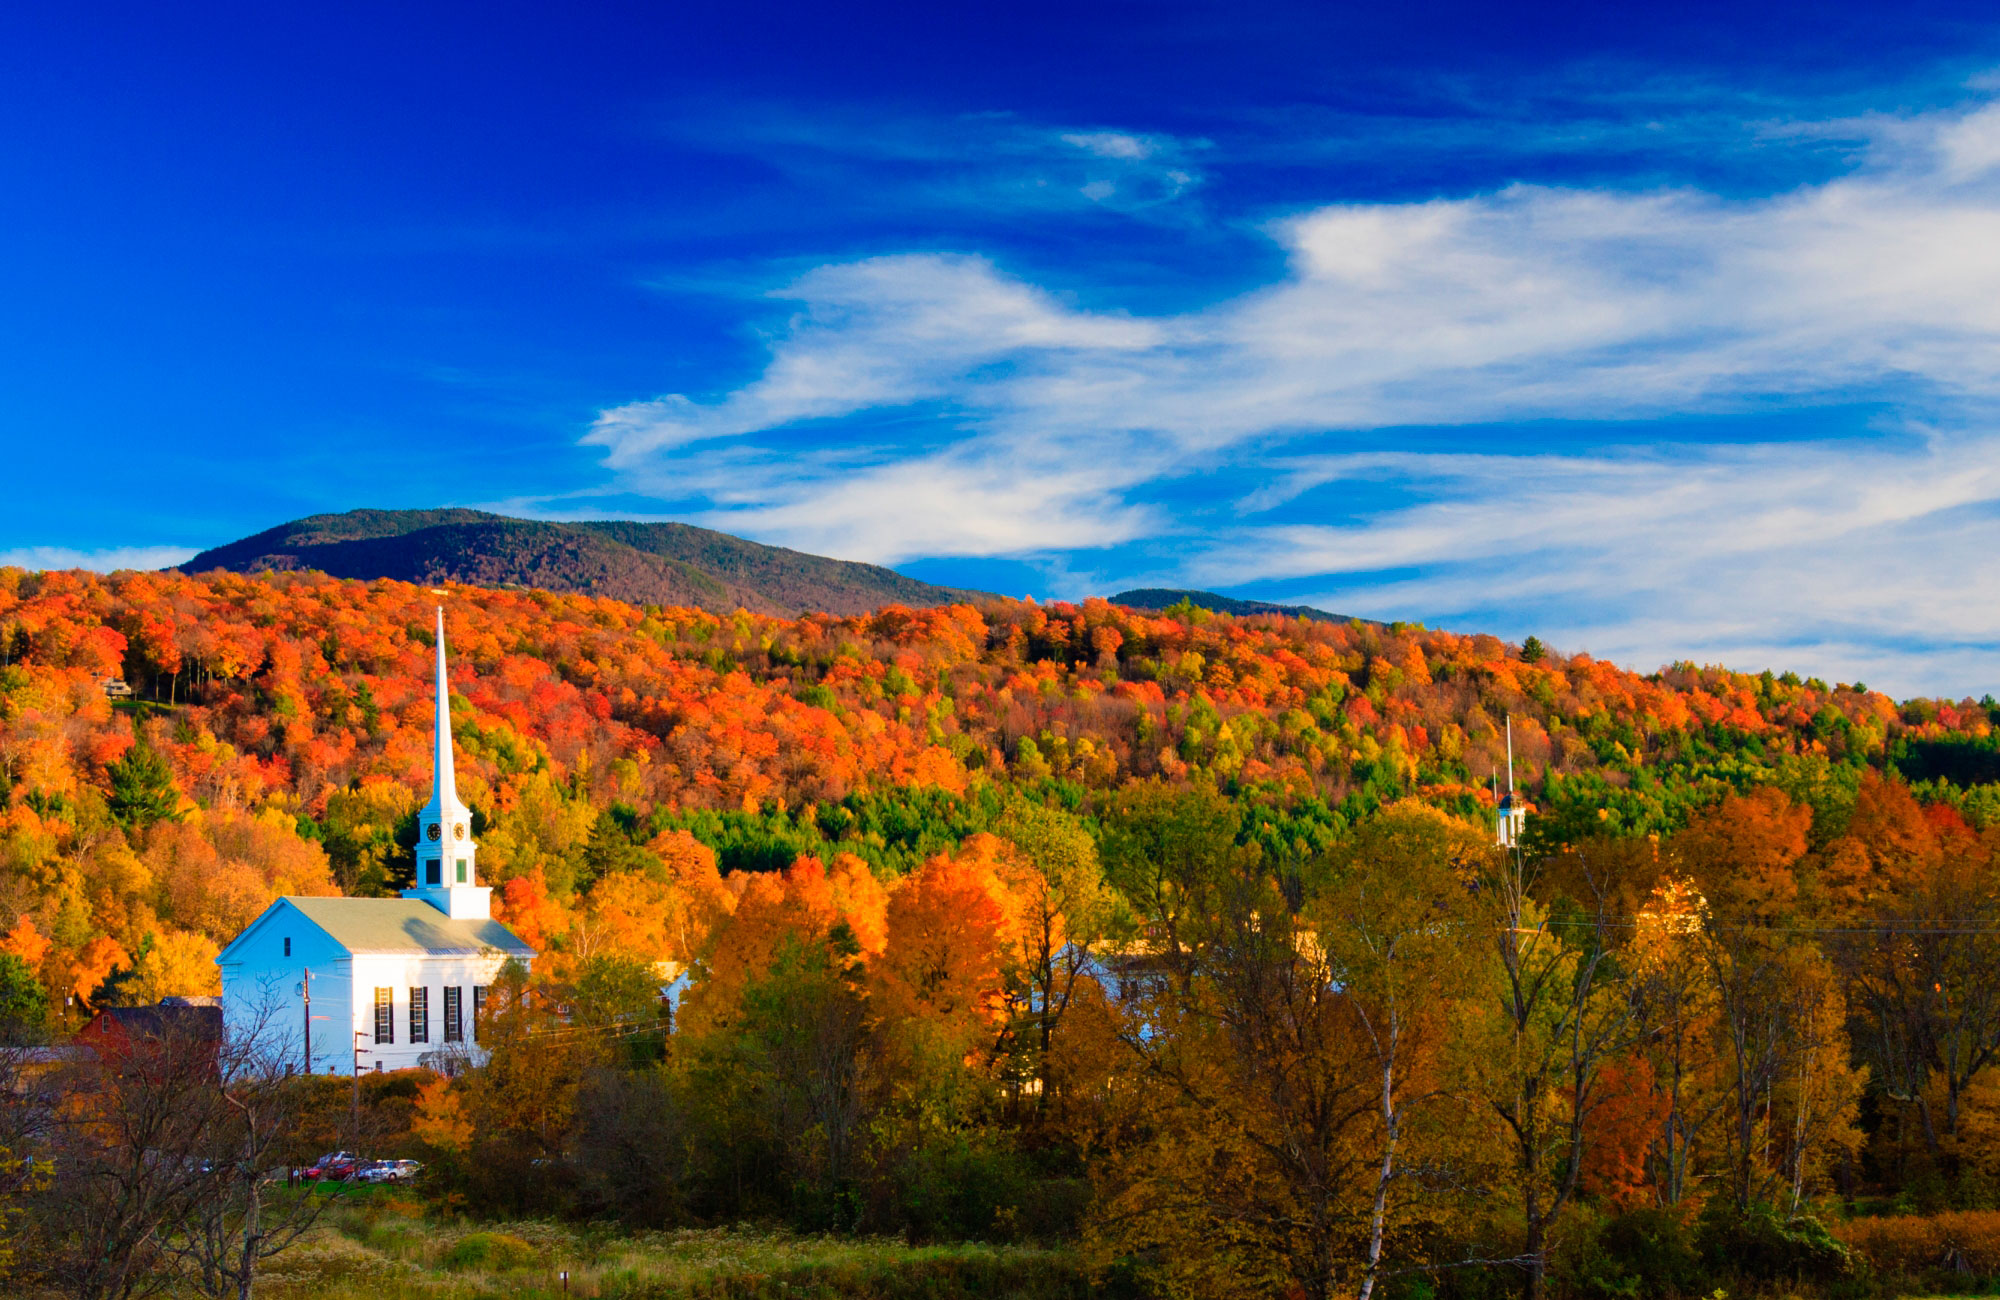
(405,925)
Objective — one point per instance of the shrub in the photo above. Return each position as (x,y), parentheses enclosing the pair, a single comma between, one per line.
(1757,1244)
(915,1278)
(1971,1240)
(1959,1241)
(494,1251)
(955,1188)
(1893,1245)
(1643,1253)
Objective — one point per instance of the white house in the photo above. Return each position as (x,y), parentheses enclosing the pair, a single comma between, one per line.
(379,983)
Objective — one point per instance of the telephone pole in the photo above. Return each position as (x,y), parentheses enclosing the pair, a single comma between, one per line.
(354,1121)
(306,988)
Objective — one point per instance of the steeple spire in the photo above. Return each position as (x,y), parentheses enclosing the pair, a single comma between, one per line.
(1511,810)
(444,779)
(446,852)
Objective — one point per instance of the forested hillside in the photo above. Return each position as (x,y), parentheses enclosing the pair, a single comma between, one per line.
(1175,936)
(295,710)
(1155,599)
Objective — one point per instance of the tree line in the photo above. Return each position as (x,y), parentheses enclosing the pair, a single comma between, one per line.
(277,742)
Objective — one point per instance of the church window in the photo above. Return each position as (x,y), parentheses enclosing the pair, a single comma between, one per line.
(434,872)
(420,1015)
(288,945)
(385,1015)
(478,1007)
(454,1014)
(461,871)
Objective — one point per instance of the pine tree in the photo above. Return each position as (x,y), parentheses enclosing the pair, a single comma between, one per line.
(24,1004)
(142,789)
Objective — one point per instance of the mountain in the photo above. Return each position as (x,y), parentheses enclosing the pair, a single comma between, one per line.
(643,564)
(1159,598)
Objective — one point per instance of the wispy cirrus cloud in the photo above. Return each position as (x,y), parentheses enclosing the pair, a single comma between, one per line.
(103,560)
(923,405)
(991,162)
(1825,557)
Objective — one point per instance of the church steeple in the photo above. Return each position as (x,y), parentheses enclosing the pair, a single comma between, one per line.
(444,777)
(445,848)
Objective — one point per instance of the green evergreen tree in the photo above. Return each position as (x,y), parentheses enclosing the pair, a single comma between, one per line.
(611,849)
(142,789)
(24,1003)
(400,867)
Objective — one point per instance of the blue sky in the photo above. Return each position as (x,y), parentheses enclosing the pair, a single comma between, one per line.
(1668,334)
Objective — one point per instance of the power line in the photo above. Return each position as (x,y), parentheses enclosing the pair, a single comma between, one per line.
(1946,927)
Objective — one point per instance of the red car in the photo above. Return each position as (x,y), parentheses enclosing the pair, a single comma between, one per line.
(337,1165)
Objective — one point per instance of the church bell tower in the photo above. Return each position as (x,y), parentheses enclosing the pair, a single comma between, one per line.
(445,848)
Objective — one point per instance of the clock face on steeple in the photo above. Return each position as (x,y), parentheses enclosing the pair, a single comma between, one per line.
(458,831)
(431,831)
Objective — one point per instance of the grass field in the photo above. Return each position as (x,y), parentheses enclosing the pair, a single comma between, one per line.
(383,1248)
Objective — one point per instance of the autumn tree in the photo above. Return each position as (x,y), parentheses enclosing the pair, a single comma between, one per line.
(1061,909)
(234,1221)
(1742,853)
(939,983)
(804,1040)
(522,1101)
(1558,1014)
(176,964)
(1398,927)
(1791,1088)
(1922,956)
(1675,991)
(1251,1165)
(129,1142)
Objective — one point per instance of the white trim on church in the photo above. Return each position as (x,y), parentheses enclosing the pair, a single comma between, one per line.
(379,983)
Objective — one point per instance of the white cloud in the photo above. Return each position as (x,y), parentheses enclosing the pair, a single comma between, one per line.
(1826,558)
(103,561)
(1526,303)
(886,332)
(1113,144)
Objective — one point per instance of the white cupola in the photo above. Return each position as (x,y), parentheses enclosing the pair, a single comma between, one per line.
(445,848)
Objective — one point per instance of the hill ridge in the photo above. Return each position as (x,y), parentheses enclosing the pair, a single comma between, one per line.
(644,563)
(1160,598)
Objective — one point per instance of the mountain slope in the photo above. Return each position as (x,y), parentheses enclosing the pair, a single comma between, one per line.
(641,563)
(1159,598)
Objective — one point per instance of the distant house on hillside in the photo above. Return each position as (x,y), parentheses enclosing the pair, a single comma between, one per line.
(114,688)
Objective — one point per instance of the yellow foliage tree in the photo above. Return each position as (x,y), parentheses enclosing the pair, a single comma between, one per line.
(180,963)
(439,1119)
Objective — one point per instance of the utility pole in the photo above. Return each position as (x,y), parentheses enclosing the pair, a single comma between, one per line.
(306,988)
(354,1121)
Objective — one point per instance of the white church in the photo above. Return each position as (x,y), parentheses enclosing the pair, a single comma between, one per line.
(379,983)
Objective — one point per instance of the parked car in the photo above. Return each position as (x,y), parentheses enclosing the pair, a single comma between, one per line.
(337,1166)
(389,1171)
